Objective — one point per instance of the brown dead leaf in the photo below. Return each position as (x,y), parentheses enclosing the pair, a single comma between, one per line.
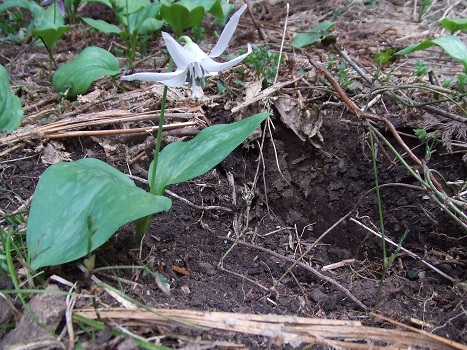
(252,90)
(304,122)
(54,152)
(91,97)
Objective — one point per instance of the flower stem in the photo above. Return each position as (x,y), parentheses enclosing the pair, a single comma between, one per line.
(142,225)
(152,181)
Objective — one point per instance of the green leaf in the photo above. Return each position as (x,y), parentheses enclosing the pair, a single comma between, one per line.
(454,24)
(420,133)
(31,6)
(48,24)
(221,10)
(150,25)
(453,46)
(103,26)
(78,75)
(136,19)
(384,57)
(50,18)
(10,104)
(313,35)
(51,36)
(180,17)
(105,2)
(80,205)
(192,4)
(182,161)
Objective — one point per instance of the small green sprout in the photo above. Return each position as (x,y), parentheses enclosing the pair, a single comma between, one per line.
(385,57)
(264,62)
(184,14)
(424,7)
(429,142)
(421,68)
(319,32)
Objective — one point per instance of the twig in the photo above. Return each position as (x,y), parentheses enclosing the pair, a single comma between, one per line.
(244,278)
(342,219)
(87,120)
(413,255)
(263,94)
(358,113)
(199,207)
(118,131)
(184,200)
(306,267)
(404,100)
(348,102)
(282,43)
(261,34)
(124,302)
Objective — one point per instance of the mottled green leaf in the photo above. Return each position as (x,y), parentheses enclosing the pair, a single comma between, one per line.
(454,24)
(78,206)
(76,77)
(10,104)
(182,161)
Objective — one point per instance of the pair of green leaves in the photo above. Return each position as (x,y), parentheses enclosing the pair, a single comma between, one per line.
(185,14)
(10,104)
(78,206)
(47,25)
(451,44)
(139,16)
(136,16)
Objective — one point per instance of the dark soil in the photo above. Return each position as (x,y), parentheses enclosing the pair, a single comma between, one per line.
(300,189)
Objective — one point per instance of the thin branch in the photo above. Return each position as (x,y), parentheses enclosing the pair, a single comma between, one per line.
(306,267)
(413,255)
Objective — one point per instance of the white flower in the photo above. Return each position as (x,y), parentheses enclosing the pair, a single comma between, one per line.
(193,65)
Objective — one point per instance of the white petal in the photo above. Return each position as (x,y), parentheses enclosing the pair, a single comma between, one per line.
(213,66)
(227,33)
(178,80)
(181,57)
(172,79)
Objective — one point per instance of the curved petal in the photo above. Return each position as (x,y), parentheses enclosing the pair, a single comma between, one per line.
(178,80)
(227,33)
(173,79)
(212,66)
(181,57)
(61,7)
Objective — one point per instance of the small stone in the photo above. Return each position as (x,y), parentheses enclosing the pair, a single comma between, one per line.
(185,289)
(49,308)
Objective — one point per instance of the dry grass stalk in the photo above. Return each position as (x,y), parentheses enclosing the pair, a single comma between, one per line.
(283,329)
(64,127)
